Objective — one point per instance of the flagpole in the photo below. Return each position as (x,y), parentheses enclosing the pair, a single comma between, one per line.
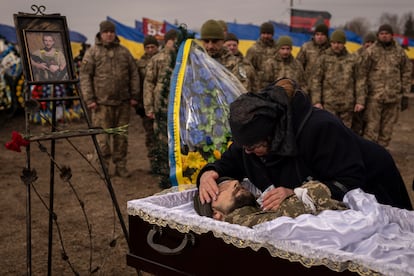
(290,25)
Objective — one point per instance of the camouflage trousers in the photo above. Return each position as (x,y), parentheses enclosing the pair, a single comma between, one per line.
(113,146)
(148,125)
(358,123)
(159,154)
(380,119)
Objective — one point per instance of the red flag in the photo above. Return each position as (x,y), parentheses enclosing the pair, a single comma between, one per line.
(305,21)
(153,27)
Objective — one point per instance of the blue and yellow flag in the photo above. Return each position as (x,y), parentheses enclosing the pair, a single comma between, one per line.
(76,41)
(129,37)
(248,34)
(9,33)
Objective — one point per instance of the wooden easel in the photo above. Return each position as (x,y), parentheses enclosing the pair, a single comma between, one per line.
(54,134)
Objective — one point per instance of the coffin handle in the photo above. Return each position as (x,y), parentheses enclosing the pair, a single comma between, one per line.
(162,249)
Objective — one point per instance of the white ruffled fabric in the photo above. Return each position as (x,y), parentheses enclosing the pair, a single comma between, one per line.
(374,236)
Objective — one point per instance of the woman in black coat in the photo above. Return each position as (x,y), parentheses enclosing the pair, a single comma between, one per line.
(282,140)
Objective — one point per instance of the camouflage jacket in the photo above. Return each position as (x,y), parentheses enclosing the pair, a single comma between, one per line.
(108,75)
(157,79)
(290,207)
(142,65)
(308,54)
(387,71)
(241,68)
(257,54)
(335,81)
(277,68)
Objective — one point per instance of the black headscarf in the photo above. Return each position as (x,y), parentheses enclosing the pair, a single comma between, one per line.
(256,117)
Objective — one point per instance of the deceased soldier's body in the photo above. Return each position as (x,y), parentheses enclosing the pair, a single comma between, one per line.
(236,204)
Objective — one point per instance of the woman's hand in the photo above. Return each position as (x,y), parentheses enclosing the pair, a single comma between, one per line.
(208,188)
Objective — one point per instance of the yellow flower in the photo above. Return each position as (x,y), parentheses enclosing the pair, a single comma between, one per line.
(217,154)
(195,160)
(184,162)
(229,143)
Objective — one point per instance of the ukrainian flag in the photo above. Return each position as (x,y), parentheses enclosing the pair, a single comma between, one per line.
(9,33)
(130,37)
(76,41)
(246,33)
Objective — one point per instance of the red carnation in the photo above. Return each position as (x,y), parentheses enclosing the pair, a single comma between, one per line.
(16,142)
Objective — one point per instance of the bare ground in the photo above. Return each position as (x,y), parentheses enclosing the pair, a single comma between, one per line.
(88,189)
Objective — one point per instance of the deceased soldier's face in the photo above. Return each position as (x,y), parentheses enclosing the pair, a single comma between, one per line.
(48,42)
(231,195)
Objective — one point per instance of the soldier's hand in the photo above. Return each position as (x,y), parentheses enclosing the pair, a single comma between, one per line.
(133,102)
(358,108)
(273,198)
(318,105)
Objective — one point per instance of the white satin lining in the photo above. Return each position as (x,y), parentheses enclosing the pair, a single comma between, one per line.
(370,235)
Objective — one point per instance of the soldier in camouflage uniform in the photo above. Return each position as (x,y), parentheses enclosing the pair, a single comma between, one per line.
(150,49)
(263,49)
(236,204)
(231,42)
(358,123)
(284,64)
(110,84)
(311,50)
(388,77)
(156,93)
(212,38)
(335,84)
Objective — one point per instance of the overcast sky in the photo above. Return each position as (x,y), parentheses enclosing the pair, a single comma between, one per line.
(84,15)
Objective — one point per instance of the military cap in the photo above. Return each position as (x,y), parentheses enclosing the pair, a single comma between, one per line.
(338,36)
(385,28)
(223,25)
(106,26)
(370,37)
(211,29)
(150,39)
(322,28)
(284,40)
(267,28)
(231,37)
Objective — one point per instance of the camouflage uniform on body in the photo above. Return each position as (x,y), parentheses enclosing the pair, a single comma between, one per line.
(307,56)
(212,32)
(109,77)
(388,76)
(147,122)
(242,69)
(277,68)
(290,207)
(358,123)
(336,85)
(156,93)
(257,54)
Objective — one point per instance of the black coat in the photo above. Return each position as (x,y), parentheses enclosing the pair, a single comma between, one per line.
(327,151)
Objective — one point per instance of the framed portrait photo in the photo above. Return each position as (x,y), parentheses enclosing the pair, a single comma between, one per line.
(45,48)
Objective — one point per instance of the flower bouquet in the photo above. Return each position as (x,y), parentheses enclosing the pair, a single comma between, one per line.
(198,129)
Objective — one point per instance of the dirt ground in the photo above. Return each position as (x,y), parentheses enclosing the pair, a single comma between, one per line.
(86,186)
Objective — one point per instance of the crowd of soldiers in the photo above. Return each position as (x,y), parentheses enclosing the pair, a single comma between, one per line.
(364,89)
